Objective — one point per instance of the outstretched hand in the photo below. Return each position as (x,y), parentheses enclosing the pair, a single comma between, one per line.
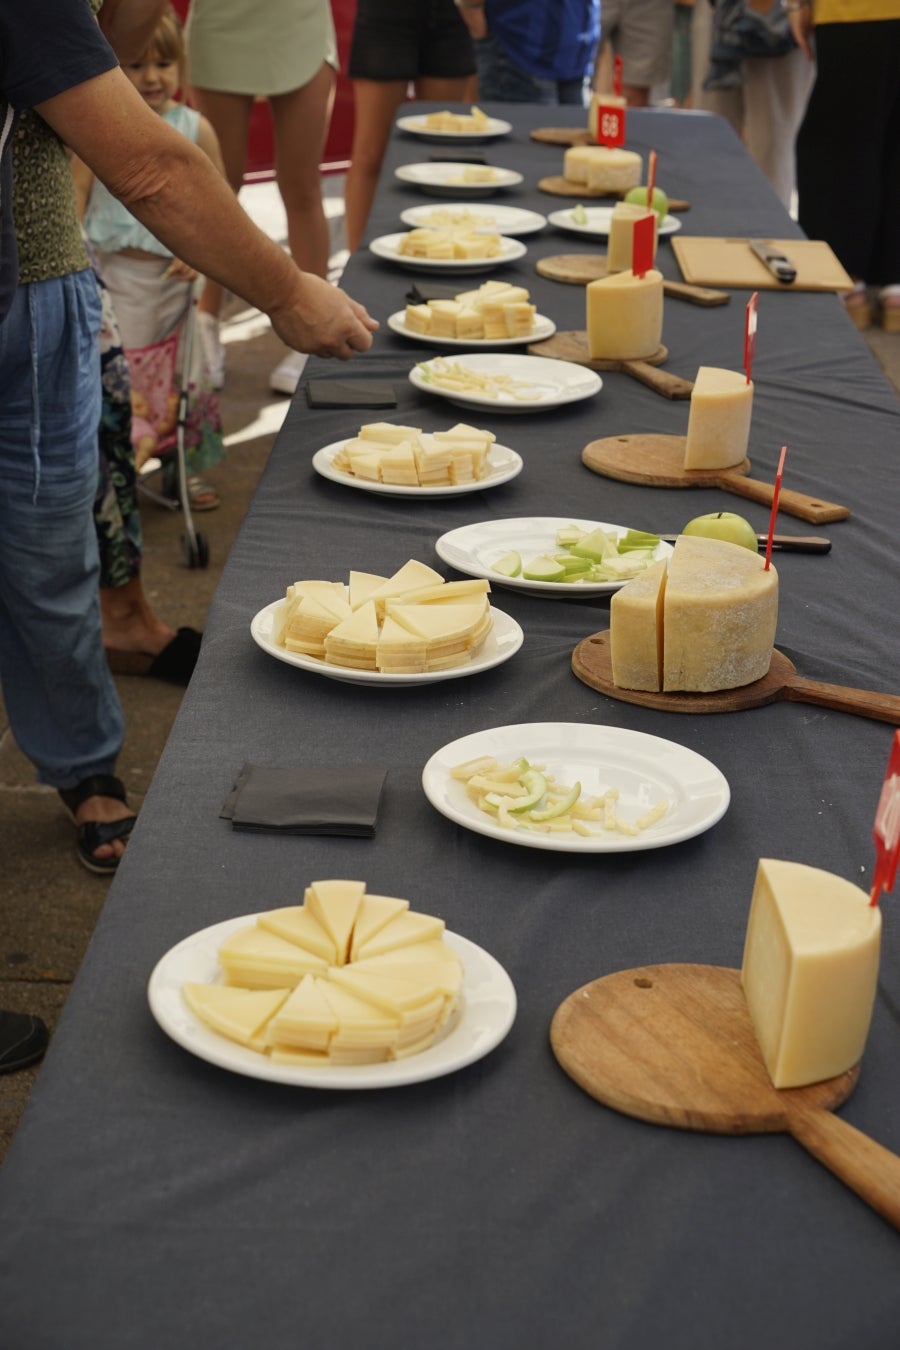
(323,320)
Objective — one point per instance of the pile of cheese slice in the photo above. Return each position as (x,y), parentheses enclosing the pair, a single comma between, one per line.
(494,311)
(385,452)
(344,978)
(408,623)
(445,120)
(449,244)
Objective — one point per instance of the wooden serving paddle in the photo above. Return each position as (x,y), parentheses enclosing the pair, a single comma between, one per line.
(674,1045)
(561,135)
(658,461)
(577,269)
(557,186)
(573,346)
(592,663)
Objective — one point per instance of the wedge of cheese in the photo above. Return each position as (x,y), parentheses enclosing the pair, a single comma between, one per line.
(625,316)
(810,971)
(254,958)
(707,624)
(625,216)
(719,420)
(297,924)
(239,1014)
(305,1020)
(374,912)
(335,904)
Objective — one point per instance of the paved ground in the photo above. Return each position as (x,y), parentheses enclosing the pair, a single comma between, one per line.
(48,903)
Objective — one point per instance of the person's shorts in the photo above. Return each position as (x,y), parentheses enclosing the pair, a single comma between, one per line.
(641,33)
(405,39)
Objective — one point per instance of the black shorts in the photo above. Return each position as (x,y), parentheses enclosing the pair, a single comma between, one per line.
(403,39)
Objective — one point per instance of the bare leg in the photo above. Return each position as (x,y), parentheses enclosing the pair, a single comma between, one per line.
(230,118)
(129,624)
(300,122)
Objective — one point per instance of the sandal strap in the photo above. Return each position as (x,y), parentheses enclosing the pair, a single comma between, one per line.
(93,833)
(97,785)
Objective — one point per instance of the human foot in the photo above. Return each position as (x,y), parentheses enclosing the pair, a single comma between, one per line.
(103,821)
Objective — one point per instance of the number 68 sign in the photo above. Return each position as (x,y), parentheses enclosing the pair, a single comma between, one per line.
(606,122)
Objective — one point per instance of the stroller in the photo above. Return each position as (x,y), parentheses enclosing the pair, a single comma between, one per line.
(168,457)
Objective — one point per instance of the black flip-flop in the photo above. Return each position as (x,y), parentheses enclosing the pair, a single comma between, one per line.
(175,663)
(93,833)
(23,1040)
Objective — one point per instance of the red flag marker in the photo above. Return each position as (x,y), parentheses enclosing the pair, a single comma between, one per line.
(886,830)
(750,334)
(775,496)
(651,177)
(617,76)
(642,245)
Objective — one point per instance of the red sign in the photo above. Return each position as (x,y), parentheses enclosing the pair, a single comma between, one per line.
(642,246)
(750,334)
(610,123)
(886,830)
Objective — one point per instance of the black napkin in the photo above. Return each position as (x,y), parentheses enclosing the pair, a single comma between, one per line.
(305,800)
(458,157)
(350,394)
(420,292)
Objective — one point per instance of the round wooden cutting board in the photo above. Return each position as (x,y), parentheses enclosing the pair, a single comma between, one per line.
(674,1045)
(557,186)
(592,663)
(577,269)
(658,461)
(572,346)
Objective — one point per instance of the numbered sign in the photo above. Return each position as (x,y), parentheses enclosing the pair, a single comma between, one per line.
(608,120)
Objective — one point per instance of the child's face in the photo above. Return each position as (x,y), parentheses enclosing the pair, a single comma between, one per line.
(155,78)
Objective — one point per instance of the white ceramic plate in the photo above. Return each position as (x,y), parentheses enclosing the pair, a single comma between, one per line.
(502,642)
(554,382)
(645,769)
(509,220)
(597,223)
(542,327)
(443,178)
(503,464)
(473,548)
(487,1011)
(387,246)
(415,126)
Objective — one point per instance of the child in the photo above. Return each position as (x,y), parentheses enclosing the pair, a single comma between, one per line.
(151,291)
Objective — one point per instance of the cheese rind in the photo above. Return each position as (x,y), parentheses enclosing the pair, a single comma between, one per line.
(602,168)
(809,971)
(720,614)
(719,420)
(625,316)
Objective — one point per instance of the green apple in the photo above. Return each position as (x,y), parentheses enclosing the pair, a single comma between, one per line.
(725,525)
(638,196)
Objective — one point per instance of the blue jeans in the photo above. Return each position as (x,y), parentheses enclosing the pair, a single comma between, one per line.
(501,81)
(60,697)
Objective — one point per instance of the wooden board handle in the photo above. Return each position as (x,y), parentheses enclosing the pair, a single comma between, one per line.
(670,386)
(869,1169)
(793,503)
(695,295)
(842,698)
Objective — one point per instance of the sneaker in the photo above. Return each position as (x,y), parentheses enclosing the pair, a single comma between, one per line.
(212,348)
(23,1039)
(286,375)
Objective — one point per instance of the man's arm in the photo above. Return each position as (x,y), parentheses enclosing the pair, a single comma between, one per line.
(176,192)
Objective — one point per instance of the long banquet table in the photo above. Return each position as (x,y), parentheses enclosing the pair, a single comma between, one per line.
(153,1200)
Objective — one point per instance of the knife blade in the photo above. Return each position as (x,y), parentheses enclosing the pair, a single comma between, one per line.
(788,543)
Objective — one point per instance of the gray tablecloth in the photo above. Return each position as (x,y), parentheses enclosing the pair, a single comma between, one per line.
(152,1200)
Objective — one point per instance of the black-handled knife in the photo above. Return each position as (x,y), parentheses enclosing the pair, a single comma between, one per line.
(781,267)
(788,543)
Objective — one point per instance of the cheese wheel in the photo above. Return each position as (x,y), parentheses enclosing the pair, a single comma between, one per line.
(719,420)
(602,168)
(707,624)
(625,316)
(809,971)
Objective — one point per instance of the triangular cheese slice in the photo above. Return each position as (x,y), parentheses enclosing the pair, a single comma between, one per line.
(260,960)
(305,1019)
(409,577)
(335,905)
(362,584)
(295,923)
(402,932)
(374,912)
(239,1014)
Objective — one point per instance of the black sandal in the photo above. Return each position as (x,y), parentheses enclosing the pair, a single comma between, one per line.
(93,833)
(23,1040)
(175,663)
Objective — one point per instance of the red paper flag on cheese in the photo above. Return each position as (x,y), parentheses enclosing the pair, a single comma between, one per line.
(750,334)
(642,248)
(886,831)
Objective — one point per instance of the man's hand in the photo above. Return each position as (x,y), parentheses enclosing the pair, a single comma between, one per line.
(323,320)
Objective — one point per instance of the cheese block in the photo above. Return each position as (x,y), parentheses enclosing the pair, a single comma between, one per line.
(810,971)
(602,168)
(720,613)
(625,316)
(636,630)
(719,420)
(705,621)
(625,216)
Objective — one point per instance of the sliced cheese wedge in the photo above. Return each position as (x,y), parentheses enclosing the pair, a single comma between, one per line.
(239,1014)
(335,904)
(305,1020)
(256,959)
(402,931)
(297,924)
(374,912)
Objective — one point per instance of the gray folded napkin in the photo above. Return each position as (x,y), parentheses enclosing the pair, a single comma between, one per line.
(305,800)
(350,394)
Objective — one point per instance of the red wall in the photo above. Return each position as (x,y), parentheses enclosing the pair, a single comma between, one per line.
(260,155)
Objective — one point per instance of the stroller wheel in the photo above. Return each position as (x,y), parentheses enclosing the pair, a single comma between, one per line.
(195,550)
